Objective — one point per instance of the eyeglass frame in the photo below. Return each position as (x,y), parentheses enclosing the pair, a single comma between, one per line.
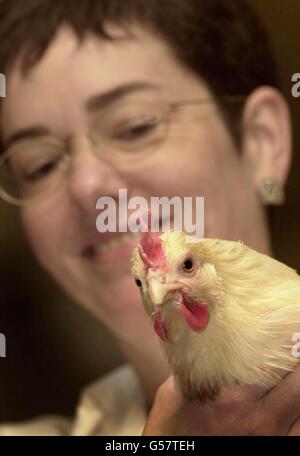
(234,99)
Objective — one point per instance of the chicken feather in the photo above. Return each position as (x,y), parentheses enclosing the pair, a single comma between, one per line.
(225,313)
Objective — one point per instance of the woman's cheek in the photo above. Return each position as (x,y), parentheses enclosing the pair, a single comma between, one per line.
(42,232)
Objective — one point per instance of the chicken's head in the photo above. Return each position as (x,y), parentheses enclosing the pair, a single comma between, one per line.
(177,286)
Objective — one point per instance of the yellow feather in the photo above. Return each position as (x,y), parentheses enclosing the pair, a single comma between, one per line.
(254,307)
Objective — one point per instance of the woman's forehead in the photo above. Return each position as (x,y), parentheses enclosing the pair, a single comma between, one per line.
(57,89)
(107,62)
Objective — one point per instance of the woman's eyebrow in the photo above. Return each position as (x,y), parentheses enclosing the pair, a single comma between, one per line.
(95,103)
(26,133)
(103,100)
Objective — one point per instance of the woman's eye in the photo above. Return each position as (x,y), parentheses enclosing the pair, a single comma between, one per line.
(42,171)
(188,265)
(136,132)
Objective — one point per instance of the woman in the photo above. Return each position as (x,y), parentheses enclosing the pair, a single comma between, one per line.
(80,84)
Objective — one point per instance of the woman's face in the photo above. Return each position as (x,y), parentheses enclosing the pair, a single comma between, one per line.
(198,158)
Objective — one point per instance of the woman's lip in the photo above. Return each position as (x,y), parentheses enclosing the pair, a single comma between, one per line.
(100,238)
(121,251)
(118,252)
(95,238)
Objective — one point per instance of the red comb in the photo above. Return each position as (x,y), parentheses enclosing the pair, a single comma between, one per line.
(151,251)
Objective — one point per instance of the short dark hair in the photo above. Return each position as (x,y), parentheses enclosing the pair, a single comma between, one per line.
(220,40)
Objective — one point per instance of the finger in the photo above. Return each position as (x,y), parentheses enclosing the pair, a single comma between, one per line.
(168,402)
(170,393)
(295,429)
(242,393)
(284,398)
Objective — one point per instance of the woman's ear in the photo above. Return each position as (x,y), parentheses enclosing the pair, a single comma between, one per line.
(266,129)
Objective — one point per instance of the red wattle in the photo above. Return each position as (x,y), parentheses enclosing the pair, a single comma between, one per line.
(160,328)
(195,313)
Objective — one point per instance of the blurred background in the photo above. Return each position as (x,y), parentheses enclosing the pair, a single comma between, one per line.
(47,363)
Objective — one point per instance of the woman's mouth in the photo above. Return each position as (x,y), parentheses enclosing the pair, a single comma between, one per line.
(112,249)
(112,246)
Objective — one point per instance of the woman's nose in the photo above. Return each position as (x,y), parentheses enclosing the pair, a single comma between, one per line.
(90,178)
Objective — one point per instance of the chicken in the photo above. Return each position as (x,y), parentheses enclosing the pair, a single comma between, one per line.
(225,313)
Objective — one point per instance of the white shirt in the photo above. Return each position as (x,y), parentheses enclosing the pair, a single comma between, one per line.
(113,405)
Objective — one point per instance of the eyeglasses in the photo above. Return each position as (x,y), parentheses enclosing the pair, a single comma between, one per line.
(128,133)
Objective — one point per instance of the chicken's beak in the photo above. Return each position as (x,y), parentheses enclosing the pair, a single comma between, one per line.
(158,291)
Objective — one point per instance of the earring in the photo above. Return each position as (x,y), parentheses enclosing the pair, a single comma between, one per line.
(271,192)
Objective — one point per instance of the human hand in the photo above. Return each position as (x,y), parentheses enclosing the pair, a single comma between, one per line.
(242,410)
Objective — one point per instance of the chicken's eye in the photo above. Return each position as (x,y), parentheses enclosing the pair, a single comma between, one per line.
(188,265)
(138,283)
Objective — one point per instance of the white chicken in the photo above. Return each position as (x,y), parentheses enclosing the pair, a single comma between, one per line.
(225,313)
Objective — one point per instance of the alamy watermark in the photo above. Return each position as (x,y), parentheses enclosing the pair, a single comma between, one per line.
(2,346)
(2,86)
(296,346)
(131,215)
(296,86)
(2,336)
